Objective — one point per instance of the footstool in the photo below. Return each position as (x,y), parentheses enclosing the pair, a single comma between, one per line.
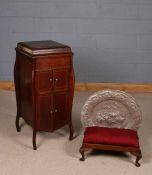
(111,119)
(115,139)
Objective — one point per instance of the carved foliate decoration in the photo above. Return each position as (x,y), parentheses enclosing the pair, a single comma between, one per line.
(111,108)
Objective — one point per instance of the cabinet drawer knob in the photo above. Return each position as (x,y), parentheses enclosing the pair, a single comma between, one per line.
(56,79)
(56,110)
(51,112)
(50,79)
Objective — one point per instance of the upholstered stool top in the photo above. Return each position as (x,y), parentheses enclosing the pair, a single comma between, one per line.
(111,136)
(112,109)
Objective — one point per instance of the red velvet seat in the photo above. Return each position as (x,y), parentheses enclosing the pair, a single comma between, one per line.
(111,136)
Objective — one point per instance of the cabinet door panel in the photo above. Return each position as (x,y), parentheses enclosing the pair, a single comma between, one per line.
(60,109)
(60,79)
(45,81)
(45,112)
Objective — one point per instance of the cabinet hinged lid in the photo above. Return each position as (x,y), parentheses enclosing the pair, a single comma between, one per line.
(43,47)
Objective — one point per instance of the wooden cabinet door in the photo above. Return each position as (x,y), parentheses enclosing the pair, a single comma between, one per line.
(60,77)
(45,111)
(45,81)
(60,110)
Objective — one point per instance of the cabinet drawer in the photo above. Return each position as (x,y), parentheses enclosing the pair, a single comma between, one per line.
(45,63)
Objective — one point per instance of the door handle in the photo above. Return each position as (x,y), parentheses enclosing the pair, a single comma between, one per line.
(56,110)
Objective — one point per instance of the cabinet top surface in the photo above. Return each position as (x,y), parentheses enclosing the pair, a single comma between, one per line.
(43,47)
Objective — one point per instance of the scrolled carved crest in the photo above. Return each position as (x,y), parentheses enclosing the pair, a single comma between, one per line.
(111,108)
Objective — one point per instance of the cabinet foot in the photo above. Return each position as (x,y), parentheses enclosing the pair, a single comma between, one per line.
(34,140)
(71,132)
(34,147)
(17,124)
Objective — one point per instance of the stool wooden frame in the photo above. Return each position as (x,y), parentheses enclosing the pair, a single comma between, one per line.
(133,150)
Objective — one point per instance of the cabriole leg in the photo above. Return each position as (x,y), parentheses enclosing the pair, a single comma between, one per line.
(82,150)
(34,140)
(17,124)
(138,157)
(71,131)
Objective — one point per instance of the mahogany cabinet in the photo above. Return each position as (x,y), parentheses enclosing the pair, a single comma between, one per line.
(44,86)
